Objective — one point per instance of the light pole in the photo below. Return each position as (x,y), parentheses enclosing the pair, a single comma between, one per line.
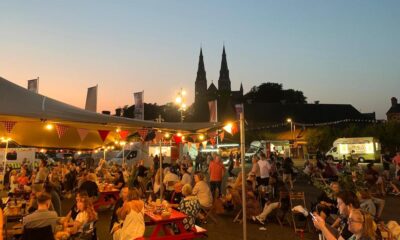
(123,143)
(180,101)
(289,120)
(5,140)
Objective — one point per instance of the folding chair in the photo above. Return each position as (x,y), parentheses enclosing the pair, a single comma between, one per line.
(208,212)
(298,198)
(237,203)
(281,213)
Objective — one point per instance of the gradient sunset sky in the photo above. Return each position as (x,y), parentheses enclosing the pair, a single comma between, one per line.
(339,51)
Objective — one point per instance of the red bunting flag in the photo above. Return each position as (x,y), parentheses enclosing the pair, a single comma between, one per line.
(159,136)
(212,141)
(177,139)
(123,134)
(82,133)
(143,133)
(9,125)
(61,130)
(222,136)
(103,134)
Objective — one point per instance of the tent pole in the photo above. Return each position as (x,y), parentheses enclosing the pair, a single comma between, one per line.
(161,173)
(242,151)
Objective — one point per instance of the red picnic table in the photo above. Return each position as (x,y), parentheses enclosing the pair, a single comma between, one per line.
(105,197)
(162,224)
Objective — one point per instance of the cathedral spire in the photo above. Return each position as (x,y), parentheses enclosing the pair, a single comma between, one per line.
(201,79)
(241,88)
(224,82)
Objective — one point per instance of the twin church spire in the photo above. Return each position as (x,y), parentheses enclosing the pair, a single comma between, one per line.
(224,82)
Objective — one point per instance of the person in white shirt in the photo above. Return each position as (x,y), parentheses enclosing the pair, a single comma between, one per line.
(265,168)
(202,191)
(186,177)
(168,178)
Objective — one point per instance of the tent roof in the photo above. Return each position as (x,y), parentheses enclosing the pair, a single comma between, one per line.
(21,105)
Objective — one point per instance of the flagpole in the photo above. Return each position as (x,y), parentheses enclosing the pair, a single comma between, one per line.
(242,150)
(216,116)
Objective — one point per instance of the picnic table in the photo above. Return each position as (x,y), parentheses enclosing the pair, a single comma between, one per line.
(162,225)
(107,197)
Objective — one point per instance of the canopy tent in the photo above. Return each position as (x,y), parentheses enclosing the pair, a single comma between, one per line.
(32,111)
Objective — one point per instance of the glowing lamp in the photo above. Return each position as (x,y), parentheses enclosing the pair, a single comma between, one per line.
(49,126)
(228,127)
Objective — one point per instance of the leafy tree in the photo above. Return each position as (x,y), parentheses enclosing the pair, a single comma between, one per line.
(274,93)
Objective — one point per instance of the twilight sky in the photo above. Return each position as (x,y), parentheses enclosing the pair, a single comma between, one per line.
(342,51)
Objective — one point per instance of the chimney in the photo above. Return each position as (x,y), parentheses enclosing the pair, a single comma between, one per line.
(118,112)
(106,112)
(394,101)
(316,102)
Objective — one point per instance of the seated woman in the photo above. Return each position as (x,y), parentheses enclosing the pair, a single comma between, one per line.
(190,206)
(118,205)
(202,191)
(327,203)
(73,213)
(132,214)
(86,215)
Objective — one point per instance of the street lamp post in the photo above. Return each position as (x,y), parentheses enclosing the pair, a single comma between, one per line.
(289,120)
(5,140)
(180,101)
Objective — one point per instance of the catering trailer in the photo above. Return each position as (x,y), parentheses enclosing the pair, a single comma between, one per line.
(363,149)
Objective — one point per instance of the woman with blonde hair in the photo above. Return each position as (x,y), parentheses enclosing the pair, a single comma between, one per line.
(86,215)
(132,214)
(362,225)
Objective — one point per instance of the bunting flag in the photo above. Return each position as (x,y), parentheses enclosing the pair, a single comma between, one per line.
(103,134)
(204,143)
(159,136)
(222,136)
(82,133)
(212,141)
(143,133)
(61,130)
(9,125)
(197,146)
(212,134)
(123,134)
(177,139)
(235,128)
(189,145)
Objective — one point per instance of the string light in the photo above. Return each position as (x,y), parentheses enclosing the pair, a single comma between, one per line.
(49,126)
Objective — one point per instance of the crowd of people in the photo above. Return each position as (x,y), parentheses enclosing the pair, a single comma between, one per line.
(195,191)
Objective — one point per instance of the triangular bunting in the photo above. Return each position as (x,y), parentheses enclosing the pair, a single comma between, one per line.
(197,146)
(222,136)
(82,133)
(189,145)
(204,143)
(61,130)
(159,136)
(9,125)
(212,141)
(123,134)
(177,139)
(143,132)
(103,134)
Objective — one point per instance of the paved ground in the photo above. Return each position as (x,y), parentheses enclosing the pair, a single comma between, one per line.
(225,228)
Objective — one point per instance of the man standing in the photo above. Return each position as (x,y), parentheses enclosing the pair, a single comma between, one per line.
(265,168)
(42,217)
(41,176)
(217,171)
(396,163)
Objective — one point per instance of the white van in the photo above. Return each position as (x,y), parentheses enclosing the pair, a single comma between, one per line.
(15,156)
(363,149)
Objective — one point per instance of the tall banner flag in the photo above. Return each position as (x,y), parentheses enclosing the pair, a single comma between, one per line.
(33,85)
(139,105)
(239,109)
(212,105)
(91,99)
